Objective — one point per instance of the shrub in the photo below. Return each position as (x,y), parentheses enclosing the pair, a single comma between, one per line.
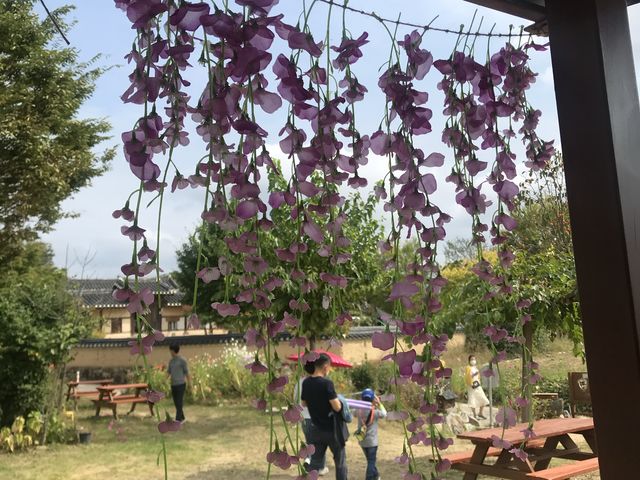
(158,379)
(364,376)
(22,434)
(59,431)
(376,375)
(225,377)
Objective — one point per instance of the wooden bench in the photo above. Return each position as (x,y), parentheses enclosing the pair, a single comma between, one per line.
(564,472)
(109,396)
(465,456)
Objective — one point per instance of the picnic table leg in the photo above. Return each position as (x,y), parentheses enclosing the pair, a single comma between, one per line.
(479,454)
(590,438)
(133,407)
(550,444)
(98,405)
(150,408)
(114,409)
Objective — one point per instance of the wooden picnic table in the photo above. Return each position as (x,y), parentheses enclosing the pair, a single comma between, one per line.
(110,396)
(551,440)
(74,392)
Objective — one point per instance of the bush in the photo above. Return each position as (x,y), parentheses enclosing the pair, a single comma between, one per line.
(375,375)
(158,379)
(22,434)
(59,431)
(225,377)
(40,322)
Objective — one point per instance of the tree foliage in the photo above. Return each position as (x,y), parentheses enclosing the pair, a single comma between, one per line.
(39,324)
(368,281)
(46,151)
(543,270)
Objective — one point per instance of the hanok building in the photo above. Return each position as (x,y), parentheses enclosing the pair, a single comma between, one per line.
(169,315)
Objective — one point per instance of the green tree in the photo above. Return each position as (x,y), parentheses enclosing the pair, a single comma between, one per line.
(368,282)
(543,270)
(46,152)
(187,258)
(39,324)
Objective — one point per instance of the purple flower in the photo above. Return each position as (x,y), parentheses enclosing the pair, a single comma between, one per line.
(334,280)
(193,321)
(209,274)
(247,209)
(519,453)
(420,60)
(142,11)
(126,213)
(506,417)
(506,221)
(306,451)
(145,254)
(443,465)
(255,264)
(134,232)
(343,318)
(349,51)
(226,309)
(293,414)
(188,15)
(169,425)
(402,289)
(500,442)
(137,348)
(383,340)
(396,415)
(153,396)
(256,367)
(137,301)
(224,266)
(253,338)
(260,404)
(277,385)
(405,360)
(313,231)
(179,183)
(304,41)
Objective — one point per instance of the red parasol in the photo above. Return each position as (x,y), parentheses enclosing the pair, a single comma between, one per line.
(336,360)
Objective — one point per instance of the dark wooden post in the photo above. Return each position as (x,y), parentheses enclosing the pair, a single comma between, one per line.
(600,128)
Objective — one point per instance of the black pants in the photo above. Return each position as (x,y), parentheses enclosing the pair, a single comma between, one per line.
(322,440)
(177,393)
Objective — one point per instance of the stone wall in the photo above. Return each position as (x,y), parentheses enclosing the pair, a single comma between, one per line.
(355,350)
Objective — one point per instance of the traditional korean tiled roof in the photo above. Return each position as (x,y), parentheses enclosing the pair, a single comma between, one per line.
(354,334)
(97,293)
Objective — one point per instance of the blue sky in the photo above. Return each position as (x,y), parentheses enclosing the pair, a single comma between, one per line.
(103,29)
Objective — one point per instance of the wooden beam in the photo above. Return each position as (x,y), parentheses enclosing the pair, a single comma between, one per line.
(530,9)
(533,10)
(599,115)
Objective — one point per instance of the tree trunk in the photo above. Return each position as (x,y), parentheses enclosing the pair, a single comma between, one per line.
(312,342)
(527,358)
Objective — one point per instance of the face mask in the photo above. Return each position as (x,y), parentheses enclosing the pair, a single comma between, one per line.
(473,363)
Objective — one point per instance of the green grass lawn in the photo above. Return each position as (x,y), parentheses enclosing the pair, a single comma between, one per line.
(217,443)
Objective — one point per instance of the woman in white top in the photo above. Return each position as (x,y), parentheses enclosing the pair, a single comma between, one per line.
(476,397)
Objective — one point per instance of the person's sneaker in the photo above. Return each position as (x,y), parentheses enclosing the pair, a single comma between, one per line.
(474,421)
(324,471)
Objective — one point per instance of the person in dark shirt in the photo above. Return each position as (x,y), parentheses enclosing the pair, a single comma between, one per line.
(319,396)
